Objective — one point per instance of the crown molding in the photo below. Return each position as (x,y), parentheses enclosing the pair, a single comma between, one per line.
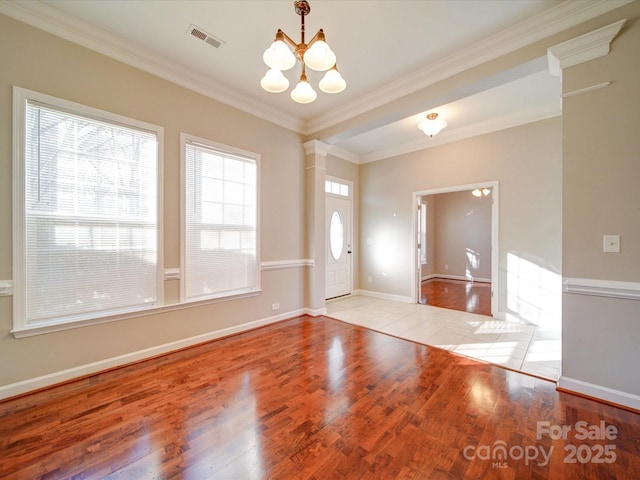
(56,22)
(455,135)
(554,20)
(581,49)
(561,17)
(344,154)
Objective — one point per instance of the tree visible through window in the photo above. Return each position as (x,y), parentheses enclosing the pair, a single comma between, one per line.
(88,215)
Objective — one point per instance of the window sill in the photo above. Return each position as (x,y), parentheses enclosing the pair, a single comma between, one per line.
(33,330)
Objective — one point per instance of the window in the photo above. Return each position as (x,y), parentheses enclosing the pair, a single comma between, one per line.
(220,221)
(336,188)
(423,233)
(86,237)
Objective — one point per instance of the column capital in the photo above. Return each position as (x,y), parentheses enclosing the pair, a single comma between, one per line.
(583,48)
(316,147)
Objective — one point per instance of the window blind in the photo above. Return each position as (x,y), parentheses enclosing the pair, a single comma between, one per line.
(90,216)
(220,222)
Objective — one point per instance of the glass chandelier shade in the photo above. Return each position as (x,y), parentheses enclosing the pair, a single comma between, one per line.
(274,81)
(278,56)
(332,82)
(317,55)
(432,125)
(304,92)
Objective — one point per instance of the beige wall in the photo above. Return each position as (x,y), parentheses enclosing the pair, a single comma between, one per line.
(594,179)
(38,61)
(601,170)
(462,235)
(527,163)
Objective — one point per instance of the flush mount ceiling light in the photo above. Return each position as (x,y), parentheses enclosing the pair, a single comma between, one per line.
(432,125)
(316,55)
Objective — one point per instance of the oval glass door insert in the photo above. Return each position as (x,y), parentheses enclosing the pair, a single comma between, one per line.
(336,236)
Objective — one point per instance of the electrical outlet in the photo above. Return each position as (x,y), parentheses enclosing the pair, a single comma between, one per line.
(275,306)
(369,279)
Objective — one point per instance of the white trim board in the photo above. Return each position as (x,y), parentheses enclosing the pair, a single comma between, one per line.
(456,277)
(383,296)
(55,378)
(606,394)
(602,288)
(283,264)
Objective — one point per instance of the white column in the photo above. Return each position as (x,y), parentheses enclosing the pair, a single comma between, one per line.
(315,235)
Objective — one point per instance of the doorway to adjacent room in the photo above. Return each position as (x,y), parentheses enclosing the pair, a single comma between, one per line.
(456,248)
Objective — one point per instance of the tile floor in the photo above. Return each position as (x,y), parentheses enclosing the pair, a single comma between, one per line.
(527,348)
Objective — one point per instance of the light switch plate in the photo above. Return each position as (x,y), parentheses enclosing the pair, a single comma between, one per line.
(611,244)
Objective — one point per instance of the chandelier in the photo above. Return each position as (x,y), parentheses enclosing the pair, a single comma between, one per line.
(316,55)
(432,125)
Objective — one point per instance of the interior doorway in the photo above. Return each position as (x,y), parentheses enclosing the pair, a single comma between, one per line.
(467,233)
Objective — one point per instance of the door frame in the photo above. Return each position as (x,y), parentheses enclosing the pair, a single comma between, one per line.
(350,243)
(495,237)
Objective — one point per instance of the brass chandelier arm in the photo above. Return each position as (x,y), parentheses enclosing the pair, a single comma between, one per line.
(300,48)
(318,36)
(280,35)
(302,8)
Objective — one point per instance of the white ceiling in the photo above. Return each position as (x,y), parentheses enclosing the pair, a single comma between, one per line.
(385,50)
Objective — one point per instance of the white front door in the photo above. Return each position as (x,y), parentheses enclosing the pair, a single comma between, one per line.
(338,248)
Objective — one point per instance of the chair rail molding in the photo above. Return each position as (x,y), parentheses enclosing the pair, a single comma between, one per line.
(602,288)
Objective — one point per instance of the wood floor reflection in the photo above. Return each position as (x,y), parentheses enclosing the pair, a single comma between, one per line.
(465,296)
(308,398)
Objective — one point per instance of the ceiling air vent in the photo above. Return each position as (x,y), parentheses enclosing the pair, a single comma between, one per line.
(204,36)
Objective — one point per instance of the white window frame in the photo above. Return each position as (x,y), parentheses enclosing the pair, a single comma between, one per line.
(20,325)
(185,140)
(337,187)
(423,232)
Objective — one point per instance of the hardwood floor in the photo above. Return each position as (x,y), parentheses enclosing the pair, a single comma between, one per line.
(472,297)
(312,398)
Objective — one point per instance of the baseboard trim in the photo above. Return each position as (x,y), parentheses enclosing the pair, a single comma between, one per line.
(456,277)
(598,392)
(315,312)
(384,296)
(602,288)
(52,379)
